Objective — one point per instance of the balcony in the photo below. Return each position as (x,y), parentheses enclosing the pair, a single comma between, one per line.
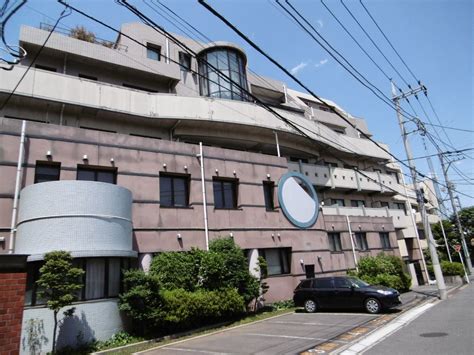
(400,220)
(74,91)
(432,218)
(348,179)
(85,218)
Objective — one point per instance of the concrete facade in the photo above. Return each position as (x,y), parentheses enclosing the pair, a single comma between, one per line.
(92,107)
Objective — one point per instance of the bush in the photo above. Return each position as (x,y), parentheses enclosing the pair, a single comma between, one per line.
(285,304)
(385,270)
(118,339)
(452,269)
(182,309)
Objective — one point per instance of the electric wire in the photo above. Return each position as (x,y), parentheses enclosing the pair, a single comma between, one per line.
(256,47)
(61,16)
(375,44)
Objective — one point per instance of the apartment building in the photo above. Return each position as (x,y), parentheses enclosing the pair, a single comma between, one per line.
(113,171)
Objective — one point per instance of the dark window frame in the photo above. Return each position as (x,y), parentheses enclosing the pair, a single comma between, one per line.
(88,77)
(283,253)
(235,191)
(47,68)
(361,241)
(269,195)
(187,185)
(335,242)
(96,169)
(155,48)
(335,203)
(185,61)
(356,203)
(50,164)
(125,264)
(385,240)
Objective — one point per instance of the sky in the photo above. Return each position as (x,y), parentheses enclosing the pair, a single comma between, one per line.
(434,37)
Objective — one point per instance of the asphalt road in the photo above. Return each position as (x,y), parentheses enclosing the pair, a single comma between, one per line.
(287,334)
(447,328)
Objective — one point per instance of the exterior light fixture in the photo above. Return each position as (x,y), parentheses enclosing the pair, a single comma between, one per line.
(164,165)
(268,176)
(178,236)
(48,154)
(84,157)
(185,167)
(112,160)
(234,172)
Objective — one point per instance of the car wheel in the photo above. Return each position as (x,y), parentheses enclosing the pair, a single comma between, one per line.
(372,305)
(310,306)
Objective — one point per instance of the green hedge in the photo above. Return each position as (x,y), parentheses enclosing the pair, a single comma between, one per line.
(449,269)
(183,309)
(385,270)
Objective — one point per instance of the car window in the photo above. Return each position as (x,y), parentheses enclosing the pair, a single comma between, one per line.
(340,282)
(323,283)
(305,284)
(358,282)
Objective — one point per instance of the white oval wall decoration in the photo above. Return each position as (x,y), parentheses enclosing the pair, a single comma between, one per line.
(298,199)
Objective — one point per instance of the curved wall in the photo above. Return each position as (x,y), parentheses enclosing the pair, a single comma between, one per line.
(86,218)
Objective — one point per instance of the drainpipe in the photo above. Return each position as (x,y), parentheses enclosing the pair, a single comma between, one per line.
(11,245)
(204,201)
(167,59)
(277,144)
(352,243)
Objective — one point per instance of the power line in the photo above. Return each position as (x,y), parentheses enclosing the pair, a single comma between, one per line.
(256,47)
(375,44)
(355,40)
(61,16)
(389,42)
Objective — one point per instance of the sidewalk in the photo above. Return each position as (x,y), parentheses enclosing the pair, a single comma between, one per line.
(445,328)
(423,292)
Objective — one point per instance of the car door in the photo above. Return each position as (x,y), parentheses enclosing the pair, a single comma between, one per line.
(324,291)
(345,296)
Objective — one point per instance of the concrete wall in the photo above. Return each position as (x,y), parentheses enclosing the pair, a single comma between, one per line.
(91,320)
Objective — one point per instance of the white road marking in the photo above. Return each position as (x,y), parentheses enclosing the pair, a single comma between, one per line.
(323,324)
(336,314)
(293,337)
(194,351)
(380,334)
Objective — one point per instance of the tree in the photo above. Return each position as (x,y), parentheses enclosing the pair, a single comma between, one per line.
(466,215)
(58,284)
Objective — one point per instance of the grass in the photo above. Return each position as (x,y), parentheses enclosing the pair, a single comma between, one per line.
(246,320)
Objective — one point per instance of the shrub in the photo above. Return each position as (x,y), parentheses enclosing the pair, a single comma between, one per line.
(81,33)
(118,339)
(182,309)
(285,304)
(386,270)
(452,269)
(141,301)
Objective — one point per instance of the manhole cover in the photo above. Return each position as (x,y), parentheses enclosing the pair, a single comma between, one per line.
(433,335)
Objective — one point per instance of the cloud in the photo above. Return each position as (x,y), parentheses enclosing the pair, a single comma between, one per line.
(321,63)
(320,23)
(299,67)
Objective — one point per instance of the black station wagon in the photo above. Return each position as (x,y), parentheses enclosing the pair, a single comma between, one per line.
(344,292)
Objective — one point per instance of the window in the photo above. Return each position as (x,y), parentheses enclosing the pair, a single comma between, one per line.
(400,206)
(174,190)
(357,203)
(324,283)
(385,240)
(102,278)
(330,165)
(384,204)
(421,234)
(44,67)
(88,77)
(278,260)
(185,61)
(268,192)
(97,173)
(335,241)
(47,171)
(361,241)
(341,282)
(135,87)
(153,52)
(225,192)
(337,202)
(231,63)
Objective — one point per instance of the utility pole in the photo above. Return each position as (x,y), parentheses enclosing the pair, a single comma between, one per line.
(455,211)
(440,209)
(419,196)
